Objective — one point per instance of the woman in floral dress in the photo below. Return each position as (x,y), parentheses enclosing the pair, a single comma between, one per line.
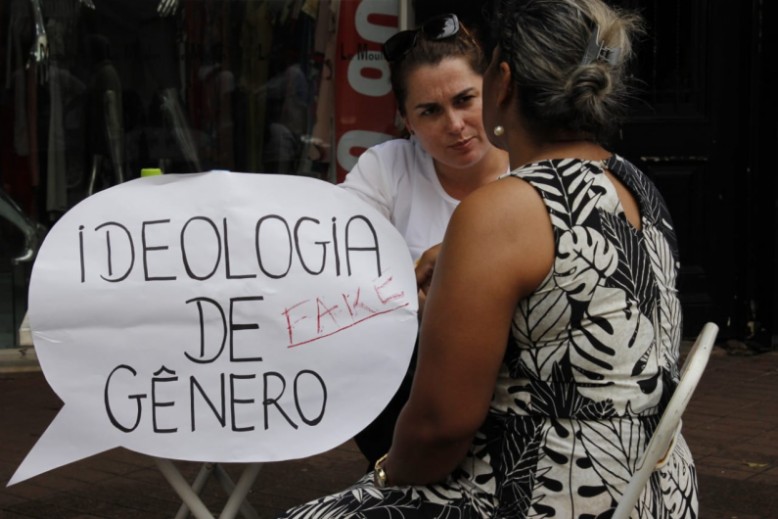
(550,338)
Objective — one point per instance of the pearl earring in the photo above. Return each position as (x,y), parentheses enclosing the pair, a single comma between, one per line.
(499,131)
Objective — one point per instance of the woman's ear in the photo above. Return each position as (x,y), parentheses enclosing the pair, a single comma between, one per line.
(504,84)
(406,123)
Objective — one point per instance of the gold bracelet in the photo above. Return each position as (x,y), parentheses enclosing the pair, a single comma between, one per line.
(380,479)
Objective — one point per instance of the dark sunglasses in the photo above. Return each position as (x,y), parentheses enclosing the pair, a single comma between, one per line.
(437,28)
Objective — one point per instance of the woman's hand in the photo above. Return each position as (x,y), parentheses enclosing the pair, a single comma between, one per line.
(425,266)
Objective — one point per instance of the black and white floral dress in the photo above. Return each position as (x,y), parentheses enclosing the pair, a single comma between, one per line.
(590,366)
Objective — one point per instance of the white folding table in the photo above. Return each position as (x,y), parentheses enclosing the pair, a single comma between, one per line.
(190,493)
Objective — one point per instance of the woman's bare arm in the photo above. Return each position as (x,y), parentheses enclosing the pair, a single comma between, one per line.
(498,248)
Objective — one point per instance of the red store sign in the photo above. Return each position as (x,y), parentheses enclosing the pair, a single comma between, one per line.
(364,104)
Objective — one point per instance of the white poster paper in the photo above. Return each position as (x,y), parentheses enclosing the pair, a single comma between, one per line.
(225,317)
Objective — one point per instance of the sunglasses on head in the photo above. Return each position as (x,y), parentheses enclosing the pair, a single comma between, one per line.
(437,28)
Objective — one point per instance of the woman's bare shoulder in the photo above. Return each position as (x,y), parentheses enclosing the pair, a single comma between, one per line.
(507,222)
(510,200)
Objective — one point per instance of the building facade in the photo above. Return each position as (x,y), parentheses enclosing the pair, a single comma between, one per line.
(91,96)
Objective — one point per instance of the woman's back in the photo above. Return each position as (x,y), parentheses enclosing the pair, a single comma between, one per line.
(608,312)
(593,353)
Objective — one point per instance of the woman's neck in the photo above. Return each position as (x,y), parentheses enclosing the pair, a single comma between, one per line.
(458,183)
(527,153)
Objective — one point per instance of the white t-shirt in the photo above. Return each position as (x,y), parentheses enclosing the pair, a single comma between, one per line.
(398,178)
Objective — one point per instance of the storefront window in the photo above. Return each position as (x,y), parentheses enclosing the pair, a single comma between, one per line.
(96,90)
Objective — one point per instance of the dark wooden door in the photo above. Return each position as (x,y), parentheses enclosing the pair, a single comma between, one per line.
(694,132)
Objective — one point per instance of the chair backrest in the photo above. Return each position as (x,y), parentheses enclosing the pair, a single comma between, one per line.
(670,422)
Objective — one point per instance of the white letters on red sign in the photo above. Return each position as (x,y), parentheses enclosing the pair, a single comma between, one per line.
(364,105)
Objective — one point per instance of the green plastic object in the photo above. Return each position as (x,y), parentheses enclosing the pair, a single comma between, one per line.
(150,172)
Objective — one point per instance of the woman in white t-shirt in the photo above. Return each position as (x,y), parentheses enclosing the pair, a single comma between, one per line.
(437,79)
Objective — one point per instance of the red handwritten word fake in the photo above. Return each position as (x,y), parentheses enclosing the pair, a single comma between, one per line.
(314,319)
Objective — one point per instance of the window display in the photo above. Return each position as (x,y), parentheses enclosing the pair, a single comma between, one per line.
(94,91)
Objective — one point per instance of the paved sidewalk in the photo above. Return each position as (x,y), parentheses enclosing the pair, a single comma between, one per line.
(731,426)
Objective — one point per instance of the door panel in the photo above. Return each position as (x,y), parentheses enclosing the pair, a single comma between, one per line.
(685,110)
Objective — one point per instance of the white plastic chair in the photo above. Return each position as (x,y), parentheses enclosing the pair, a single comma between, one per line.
(663,441)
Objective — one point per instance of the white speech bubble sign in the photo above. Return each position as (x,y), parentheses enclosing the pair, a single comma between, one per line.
(220,316)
